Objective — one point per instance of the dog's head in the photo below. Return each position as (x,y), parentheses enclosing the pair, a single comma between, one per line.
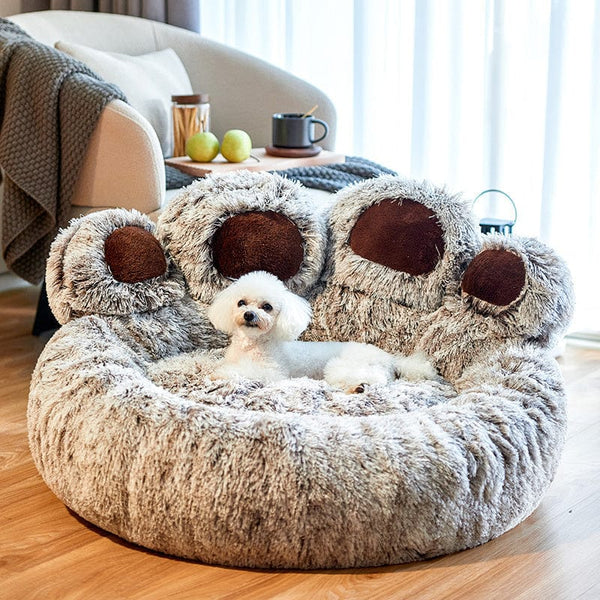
(259,304)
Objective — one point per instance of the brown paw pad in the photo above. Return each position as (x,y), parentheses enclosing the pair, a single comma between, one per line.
(403,235)
(258,241)
(134,254)
(496,276)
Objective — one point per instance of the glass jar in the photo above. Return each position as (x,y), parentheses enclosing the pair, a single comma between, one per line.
(191,114)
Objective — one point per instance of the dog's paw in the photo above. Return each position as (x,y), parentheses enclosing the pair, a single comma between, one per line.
(349,388)
(356,389)
(359,366)
(346,380)
(415,367)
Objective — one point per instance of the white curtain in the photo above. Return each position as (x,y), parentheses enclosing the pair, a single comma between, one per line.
(473,94)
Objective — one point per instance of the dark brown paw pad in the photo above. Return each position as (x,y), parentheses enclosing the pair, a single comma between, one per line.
(133,254)
(258,241)
(496,276)
(401,234)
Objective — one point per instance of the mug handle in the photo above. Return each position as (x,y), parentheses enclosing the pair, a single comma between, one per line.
(325,127)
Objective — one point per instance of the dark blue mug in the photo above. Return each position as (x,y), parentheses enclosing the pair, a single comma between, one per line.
(291,130)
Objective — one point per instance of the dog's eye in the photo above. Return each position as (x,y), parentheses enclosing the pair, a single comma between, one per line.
(266,306)
(242,303)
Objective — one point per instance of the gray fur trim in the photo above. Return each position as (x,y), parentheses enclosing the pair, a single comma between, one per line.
(423,292)
(544,309)
(79,281)
(359,291)
(340,313)
(189,222)
(467,328)
(170,330)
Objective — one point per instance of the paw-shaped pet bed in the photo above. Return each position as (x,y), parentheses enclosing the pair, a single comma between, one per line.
(129,429)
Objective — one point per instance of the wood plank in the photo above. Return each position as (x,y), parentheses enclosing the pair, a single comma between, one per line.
(261,162)
(46,551)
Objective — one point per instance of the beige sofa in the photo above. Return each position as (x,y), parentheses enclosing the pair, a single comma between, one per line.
(123,165)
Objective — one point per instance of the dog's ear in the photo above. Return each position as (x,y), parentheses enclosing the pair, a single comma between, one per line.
(293,318)
(219,312)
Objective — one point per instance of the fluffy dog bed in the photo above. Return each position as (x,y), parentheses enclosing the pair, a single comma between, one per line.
(127,428)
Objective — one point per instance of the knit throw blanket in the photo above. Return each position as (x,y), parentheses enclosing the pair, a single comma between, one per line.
(49,107)
(330,178)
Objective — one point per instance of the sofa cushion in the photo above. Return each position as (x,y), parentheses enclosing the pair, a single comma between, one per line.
(148,81)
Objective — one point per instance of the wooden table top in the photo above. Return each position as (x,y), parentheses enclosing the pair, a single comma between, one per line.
(258,161)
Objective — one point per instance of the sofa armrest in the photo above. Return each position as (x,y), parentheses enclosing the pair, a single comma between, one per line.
(123,166)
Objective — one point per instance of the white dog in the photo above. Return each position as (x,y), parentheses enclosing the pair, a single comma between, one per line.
(264,319)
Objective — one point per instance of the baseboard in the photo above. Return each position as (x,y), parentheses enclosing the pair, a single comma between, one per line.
(587,339)
(10,281)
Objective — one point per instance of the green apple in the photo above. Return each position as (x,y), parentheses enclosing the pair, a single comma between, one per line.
(202,147)
(236,145)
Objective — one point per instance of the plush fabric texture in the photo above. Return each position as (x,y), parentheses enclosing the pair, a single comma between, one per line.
(147,80)
(466,327)
(80,282)
(134,254)
(495,276)
(189,223)
(402,235)
(393,301)
(258,241)
(129,428)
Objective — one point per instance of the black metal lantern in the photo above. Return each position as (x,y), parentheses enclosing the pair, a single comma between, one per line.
(495,219)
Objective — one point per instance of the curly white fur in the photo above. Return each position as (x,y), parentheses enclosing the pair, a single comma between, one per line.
(265,319)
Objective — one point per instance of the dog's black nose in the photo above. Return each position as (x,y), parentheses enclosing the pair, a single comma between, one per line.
(249,316)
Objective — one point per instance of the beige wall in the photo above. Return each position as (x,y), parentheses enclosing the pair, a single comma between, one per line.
(9,7)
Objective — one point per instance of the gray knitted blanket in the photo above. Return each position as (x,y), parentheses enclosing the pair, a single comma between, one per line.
(49,106)
(330,178)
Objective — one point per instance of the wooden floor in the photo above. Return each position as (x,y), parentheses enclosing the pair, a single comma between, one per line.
(48,552)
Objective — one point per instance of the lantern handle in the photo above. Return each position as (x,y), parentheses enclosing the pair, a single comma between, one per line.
(494,190)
